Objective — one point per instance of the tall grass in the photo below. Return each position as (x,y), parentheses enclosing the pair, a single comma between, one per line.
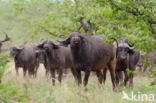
(40,90)
(3,60)
(9,93)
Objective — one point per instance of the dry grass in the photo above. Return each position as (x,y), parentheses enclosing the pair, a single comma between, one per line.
(39,90)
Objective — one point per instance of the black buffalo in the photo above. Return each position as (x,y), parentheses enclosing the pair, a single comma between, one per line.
(151,59)
(127,57)
(25,56)
(147,62)
(90,53)
(43,59)
(57,58)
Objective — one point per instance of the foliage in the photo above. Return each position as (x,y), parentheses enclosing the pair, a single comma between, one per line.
(8,92)
(133,20)
(3,63)
(40,90)
(11,94)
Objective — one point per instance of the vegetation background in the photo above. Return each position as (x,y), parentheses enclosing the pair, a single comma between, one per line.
(31,20)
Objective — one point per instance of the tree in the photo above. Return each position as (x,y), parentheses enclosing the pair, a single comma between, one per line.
(134,20)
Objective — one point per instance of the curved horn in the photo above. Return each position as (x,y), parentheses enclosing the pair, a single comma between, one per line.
(132,44)
(65,42)
(61,41)
(116,40)
(6,38)
(20,48)
(40,41)
(25,42)
(59,36)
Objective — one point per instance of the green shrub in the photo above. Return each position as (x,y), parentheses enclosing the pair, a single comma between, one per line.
(3,63)
(10,93)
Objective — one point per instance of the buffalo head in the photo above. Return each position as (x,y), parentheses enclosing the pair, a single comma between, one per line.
(124,49)
(48,45)
(15,50)
(41,55)
(75,40)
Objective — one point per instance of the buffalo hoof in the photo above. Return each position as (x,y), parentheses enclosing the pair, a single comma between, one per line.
(131,86)
(121,85)
(85,89)
(79,91)
(114,90)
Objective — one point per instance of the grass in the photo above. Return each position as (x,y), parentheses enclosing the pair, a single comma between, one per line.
(40,90)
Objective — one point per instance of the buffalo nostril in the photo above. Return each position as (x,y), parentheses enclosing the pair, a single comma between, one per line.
(123,58)
(76,42)
(46,48)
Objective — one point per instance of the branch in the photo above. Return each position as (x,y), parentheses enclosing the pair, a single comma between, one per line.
(152,30)
(84,26)
(137,13)
(121,8)
(46,30)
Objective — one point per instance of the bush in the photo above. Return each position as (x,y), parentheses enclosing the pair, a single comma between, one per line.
(12,94)
(3,63)
(8,92)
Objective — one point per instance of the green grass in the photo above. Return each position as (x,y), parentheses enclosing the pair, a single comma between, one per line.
(40,90)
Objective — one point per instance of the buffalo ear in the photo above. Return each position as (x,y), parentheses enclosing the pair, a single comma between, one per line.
(82,36)
(40,46)
(37,53)
(131,51)
(19,49)
(67,41)
(117,50)
(55,46)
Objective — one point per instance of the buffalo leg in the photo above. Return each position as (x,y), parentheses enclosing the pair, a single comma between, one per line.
(60,75)
(112,73)
(74,74)
(53,76)
(78,75)
(47,73)
(24,71)
(29,73)
(87,74)
(36,72)
(16,68)
(99,76)
(104,74)
(131,80)
(120,75)
(126,78)
(36,69)
(117,77)
(47,70)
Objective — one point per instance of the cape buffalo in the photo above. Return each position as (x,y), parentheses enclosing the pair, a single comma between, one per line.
(127,57)
(4,40)
(90,53)
(98,73)
(148,62)
(25,57)
(58,58)
(151,57)
(43,59)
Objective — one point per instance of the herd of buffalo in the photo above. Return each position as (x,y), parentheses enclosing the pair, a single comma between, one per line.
(80,52)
